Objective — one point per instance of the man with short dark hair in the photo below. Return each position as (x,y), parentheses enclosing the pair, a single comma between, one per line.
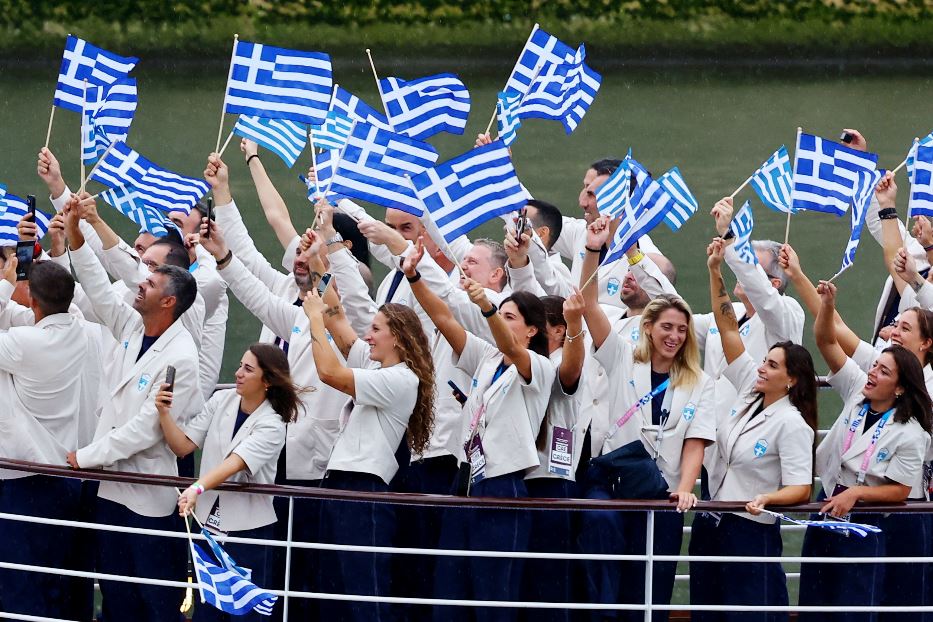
(129,437)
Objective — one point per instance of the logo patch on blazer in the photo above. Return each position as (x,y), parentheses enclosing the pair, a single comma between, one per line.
(882,455)
(144,381)
(636,333)
(744,330)
(126,345)
(690,409)
(713,330)
(296,330)
(612,286)
(733,412)
(761,448)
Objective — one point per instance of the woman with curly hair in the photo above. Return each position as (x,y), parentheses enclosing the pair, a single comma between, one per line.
(389,376)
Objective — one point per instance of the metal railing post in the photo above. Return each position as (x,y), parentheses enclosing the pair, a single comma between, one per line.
(288,557)
(649,564)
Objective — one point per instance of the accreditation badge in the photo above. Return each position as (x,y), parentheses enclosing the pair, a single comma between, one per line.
(561,457)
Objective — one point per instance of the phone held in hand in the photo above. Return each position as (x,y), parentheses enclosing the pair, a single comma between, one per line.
(323,284)
(31,202)
(459,395)
(210,216)
(846,137)
(170,377)
(521,224)
(25,251)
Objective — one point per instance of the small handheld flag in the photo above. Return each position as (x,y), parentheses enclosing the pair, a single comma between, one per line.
(108,113)
(612,197)
(864,191)
(841,527)
(562,92)
(507,113)
(540,49)
(127,201)
(741,226)
(83,61)
(12,210)
(225,585)
(921,183)
(286,139)
(421,108)
(685,205)
(826,174)
(333,133)
(350,105)
(774,180)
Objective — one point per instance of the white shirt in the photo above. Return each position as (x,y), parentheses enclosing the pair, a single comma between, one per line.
(563,410)
(756,454)
(375,421)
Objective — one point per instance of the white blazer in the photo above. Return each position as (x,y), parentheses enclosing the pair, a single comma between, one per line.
(258,442)
(898,454)
(563,410)
(755,455)
(129,437)
(692,410)
(514,409)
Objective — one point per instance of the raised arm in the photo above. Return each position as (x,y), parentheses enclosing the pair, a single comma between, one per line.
(824,328)
(571,363)
(892,238)
(177,440)
(596,319)
(273,206)
(724,314)
(436,309)
(329,367)
(504,338)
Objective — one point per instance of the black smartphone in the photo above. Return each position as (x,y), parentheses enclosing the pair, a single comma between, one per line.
(846,137)
(210,216)
(25,251)
(170,377)
(521,223)
(31,202)
(459,395)
(324,283)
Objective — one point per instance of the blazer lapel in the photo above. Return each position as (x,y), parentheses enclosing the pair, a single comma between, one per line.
(243,432)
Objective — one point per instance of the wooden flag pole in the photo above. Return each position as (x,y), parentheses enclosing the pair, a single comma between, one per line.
(904,163)
(223,109)
(85,180)
(495,113)
(495,109)
(226,142)
(372,66)
(796,149)
(787,228)
(81,142)
(48,132)
(317,188)
(744,183)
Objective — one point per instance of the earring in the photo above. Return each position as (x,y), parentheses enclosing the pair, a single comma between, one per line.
(788,387)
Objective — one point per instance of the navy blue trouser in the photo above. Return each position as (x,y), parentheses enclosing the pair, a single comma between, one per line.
(36,593)
(907,535)
(727,583)
(842,585)
(419,526)
(265,562)
(305,564)
(359,523)
(80,597)
(483,529)
(623,533)
(133,555)
(549,580)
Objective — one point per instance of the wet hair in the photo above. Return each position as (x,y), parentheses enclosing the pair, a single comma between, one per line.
(799,366)
(497,257)
(177,254)
(533,313)
(348,230)
(686,369)
(51,287)
(914,402)
(548,216)
(181,285)
(415,352)
(606,166)
(772,267)
(281,391)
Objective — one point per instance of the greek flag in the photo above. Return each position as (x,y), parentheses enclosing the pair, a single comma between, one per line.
(921,183)
(540,49)
(108,113)
(170,191)
(562,92)
(83,61)
(926,141)
(843,527)
(278,83)
(126,200)
(463,193)
(648,206)
(120,166)
(773,181)
(741,227)
(612,198)
(685,205)
(422,108)
(507,104)
(864,192)
(12,210)
(286,139)
(826,174)
(374,164)
(352,106)
(333,133)
(225,585)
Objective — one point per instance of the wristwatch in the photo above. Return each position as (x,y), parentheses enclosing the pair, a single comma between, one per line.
(334,240)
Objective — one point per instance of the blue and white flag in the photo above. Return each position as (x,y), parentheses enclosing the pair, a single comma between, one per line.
(149,219)
(84,61)
(333,133)
(278,83)
(507,104)
(463,193)
(921,183)
(774,180)
(926,141)
(12,210)
(423,107)
(865,189)
(345,102)
(169,191)
(286,139)
(374,164)
(108,113)
(648,206)
(540,49)
(826,174)
(120,166)
(225,585)
(685,205)
(612,197)
(841,527)
(741,227)
(562,92)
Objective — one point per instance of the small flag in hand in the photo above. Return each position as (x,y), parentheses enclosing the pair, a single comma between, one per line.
(12,210)
(286,139)
(774,180)
(741,227)
(421,108)
(83,61)
(685,205)
(225,585)
(826,174)
(108,113)
(507,115)
(126,200)
(333,133)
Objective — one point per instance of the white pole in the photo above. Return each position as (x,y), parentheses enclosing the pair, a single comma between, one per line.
(372,66)
(48,132)
(649,564)
(220,130)
(288,557)
(226,142)
(81,142)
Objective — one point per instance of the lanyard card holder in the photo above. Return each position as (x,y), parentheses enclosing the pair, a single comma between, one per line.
(665,415)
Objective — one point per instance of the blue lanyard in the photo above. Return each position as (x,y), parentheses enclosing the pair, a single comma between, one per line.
(645,399)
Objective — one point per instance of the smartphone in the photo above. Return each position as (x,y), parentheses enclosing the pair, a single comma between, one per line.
(459,395)
(324,283)
(210,216)
(25,251)
(521,224)
(846,137)
(170,377)
(31,202)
